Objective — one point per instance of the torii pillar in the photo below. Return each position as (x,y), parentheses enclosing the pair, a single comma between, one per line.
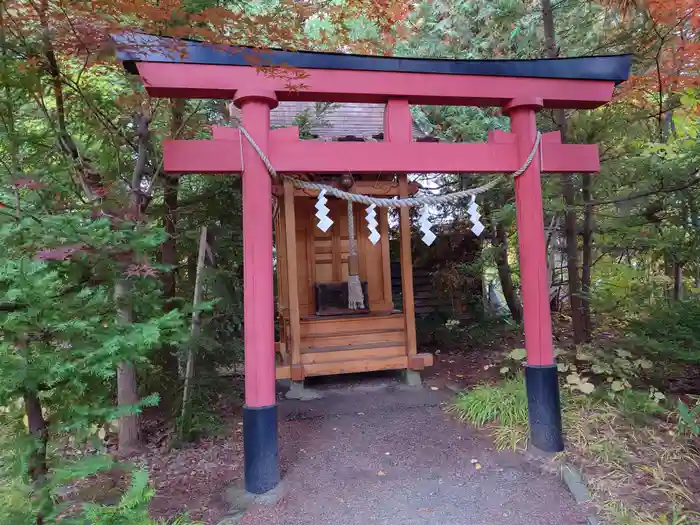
(260,446)
(541,381)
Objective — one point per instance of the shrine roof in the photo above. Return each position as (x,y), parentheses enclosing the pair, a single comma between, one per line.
(333,121)
(133,48)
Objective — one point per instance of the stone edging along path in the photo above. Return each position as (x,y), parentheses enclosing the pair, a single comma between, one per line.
(572,478)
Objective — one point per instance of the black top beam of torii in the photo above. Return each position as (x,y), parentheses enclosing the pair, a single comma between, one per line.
(138,47)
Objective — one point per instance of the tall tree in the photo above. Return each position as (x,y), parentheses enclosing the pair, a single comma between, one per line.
(580,320)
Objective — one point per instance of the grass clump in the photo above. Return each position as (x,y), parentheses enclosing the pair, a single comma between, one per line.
(622,515)
(640,470)
(503,405)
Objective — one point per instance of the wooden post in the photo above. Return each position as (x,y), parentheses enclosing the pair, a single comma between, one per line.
(398,127)
(194,327)
(282,279)
(407,271)
(383,216)
(290,237)
(260,411)
(541,373)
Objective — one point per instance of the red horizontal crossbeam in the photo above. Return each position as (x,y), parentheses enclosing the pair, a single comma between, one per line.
(288,154)
(324,85)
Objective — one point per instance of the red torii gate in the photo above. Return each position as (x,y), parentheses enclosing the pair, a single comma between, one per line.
(519,87)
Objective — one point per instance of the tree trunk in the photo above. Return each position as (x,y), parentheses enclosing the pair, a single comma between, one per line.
(587,259)
(550,39)
(569,193)
(677,281)
(505,275)
(37,467)
(127,392)
(553,264)
(192,269)
(499,239)
(167,358)
(571,238)
(93,186)
(170,198)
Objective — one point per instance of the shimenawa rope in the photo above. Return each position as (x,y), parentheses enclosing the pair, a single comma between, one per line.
(355,295)
(388,203)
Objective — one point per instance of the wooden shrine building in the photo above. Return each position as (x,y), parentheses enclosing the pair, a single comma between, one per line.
(319,333)
(319,336)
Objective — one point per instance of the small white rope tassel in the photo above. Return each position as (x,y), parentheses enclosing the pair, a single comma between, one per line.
(372,224)
(474,216)
(425,225)
(356,299)
(324,221)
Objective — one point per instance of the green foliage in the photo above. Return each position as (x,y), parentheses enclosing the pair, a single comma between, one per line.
(314,116)
(505,404)
(219,345)
(132,508)
(204,416)
(689,418)
(624,516)
(60,334)
(604,374)
(624,291)
(653,334)
(637,405)
(61,337)
(438,330)
(16,506)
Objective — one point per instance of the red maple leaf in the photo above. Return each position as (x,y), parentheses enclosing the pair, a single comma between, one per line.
(60,253)
(141,270)
(28,183)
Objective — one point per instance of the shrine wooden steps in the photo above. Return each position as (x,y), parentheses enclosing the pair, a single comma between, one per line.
(354,343)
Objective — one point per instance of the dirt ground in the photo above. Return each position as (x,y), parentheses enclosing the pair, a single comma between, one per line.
(194,479)
(372,450)
(387,453)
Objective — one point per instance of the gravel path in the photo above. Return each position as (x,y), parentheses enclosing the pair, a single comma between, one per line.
(388,454)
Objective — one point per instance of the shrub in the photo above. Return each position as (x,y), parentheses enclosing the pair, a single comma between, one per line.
(63,339)
(670,333)
(132,509)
